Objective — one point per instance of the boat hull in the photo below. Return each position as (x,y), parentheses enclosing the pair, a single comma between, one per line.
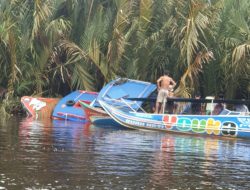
(115,91)
(69,108)
(39,107)
(104,120)
(92,111)
(97,115)
(211,125)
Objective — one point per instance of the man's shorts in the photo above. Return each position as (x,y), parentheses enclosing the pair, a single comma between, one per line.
(162,94)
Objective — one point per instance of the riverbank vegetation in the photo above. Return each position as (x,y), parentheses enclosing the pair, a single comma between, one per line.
(51,47)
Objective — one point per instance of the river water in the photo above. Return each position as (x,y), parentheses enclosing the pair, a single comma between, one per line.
(54,154)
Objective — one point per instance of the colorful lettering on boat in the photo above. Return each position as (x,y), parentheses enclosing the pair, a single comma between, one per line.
(244,125)
(154,125)
(209,126)
(245,122)
(228,129)
(213,126)
(199,126)
(169,121)
(184,124)
(144,124)
(37,104)
(136,123)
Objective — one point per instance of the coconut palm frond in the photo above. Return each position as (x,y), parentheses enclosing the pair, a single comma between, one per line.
(82,79)
(116,46)
(42,11)
(145,15)
(98,59)
(197,23)
(158,36)
(92,57)
(74,52)
(241,54)
(190,77)
(58,27)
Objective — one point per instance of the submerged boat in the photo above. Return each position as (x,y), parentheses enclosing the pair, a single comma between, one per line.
(227,124)
(90,110)
(97,115)
(69,108)
(39,107)
(116,93)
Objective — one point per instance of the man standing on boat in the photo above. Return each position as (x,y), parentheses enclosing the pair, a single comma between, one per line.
(165,86)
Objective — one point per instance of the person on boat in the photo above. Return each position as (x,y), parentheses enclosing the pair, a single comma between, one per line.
(194,107)
(219,107)
(241,107)
(165,86)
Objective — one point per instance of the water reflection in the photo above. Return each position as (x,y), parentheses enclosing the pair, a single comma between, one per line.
(203,159)
(69,155)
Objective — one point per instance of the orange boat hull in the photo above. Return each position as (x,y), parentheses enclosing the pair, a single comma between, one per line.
(38,107)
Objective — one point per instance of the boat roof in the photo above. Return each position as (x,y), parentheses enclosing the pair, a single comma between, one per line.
(123,88)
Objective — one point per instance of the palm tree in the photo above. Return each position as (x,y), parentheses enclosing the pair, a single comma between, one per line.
(102,43)
(231,42)
(53,46)
(9,46)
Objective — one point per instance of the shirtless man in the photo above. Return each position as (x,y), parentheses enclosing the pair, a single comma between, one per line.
(165,85)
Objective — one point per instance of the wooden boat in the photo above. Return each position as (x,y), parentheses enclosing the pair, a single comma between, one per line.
(229,124)
(104,120)
(39,107)
(97,115)
(69,108)
(92,111)
(113,93)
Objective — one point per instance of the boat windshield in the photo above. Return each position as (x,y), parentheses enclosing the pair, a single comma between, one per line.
(229,112)
(199,109)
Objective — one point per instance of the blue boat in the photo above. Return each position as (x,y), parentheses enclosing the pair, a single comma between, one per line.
(227,124)
(117,93)
(69,108)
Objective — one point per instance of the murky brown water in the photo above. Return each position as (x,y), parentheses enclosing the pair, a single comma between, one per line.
(69,155)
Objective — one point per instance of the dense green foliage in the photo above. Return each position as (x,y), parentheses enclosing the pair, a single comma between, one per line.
(51,47)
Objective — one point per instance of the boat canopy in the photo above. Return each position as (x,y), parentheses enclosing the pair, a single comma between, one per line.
(123,88)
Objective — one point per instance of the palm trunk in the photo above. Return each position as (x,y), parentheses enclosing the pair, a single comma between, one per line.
(13,63)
